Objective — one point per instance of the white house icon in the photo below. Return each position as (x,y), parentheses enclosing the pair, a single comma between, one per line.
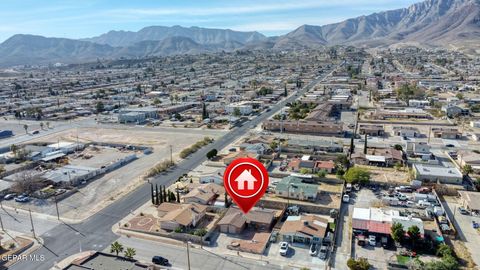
(245,176)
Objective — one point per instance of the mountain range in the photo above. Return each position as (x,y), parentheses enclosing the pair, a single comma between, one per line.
(443,23)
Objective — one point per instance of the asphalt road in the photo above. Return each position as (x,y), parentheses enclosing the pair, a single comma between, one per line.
(199,258)
(95,233)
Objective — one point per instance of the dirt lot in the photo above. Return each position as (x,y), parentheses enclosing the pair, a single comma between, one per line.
(109,187)
(388,175)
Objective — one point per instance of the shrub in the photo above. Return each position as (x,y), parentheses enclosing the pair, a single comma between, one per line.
(357,175)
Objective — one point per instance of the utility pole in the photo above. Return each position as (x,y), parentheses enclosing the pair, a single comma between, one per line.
(188,255)
(31,221)
(56,207)
(1,223)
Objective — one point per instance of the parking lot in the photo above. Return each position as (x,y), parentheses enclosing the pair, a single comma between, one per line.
(377,256)
(298,255)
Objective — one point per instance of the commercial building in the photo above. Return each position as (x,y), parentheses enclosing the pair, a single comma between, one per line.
(304,127)
(435,173)
(380,221)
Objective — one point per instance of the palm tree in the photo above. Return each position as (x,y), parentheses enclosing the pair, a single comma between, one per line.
(14,149)
(41,125)
(414,234)
(467,169)
(129,253)
(26,128)
(48,124)
(116,248)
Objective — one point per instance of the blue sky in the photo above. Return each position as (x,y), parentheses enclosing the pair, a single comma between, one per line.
(86,18)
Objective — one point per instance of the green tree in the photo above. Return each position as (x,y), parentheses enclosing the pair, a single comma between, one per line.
(444,250)
(100,107)
(171,196)
(41,125)
(414,235)
(409,91)
(212,153)
(204,111)
(130,253)
(359,264)
(341,161)
(14,149)
(398,147)
(48,124)
(25,126)
(152,194)
(178,196)
(157,196)
(237,112)
(227,204)
(357,175)
(157,101)
(365,147)
(285,91)
(322,173)
(467,169)
(161,198)
(201,232)
(164,194)
(305,171)
(116,248)
(398,166)
(397,232)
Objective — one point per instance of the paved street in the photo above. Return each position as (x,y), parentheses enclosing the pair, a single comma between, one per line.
(95,233)
(199,258)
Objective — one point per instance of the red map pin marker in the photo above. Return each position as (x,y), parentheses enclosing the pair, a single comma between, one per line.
(245,180)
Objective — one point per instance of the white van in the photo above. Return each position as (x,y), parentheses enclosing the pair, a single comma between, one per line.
(423,204)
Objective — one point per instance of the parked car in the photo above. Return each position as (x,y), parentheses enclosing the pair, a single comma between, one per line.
(346,198)
(463,211)
(384,241)
(475,224)
(22,198)
(313,250)
(322,254)
(361,240)
(284,248)
(36,132)
(9,196)
(160,260)
(372,240)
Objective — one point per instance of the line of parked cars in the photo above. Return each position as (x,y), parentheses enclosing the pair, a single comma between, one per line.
(22,198)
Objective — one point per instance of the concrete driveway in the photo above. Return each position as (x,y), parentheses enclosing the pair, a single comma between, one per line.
(463,224)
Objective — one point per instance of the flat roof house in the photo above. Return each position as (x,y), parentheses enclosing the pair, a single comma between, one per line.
(433,174)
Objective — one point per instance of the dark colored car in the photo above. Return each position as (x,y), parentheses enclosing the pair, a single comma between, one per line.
(160,260)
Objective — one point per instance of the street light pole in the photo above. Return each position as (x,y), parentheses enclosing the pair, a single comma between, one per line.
(56,207)
(31,222)
(188,255)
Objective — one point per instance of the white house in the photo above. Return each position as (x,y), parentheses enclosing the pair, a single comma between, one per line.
(246,176)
